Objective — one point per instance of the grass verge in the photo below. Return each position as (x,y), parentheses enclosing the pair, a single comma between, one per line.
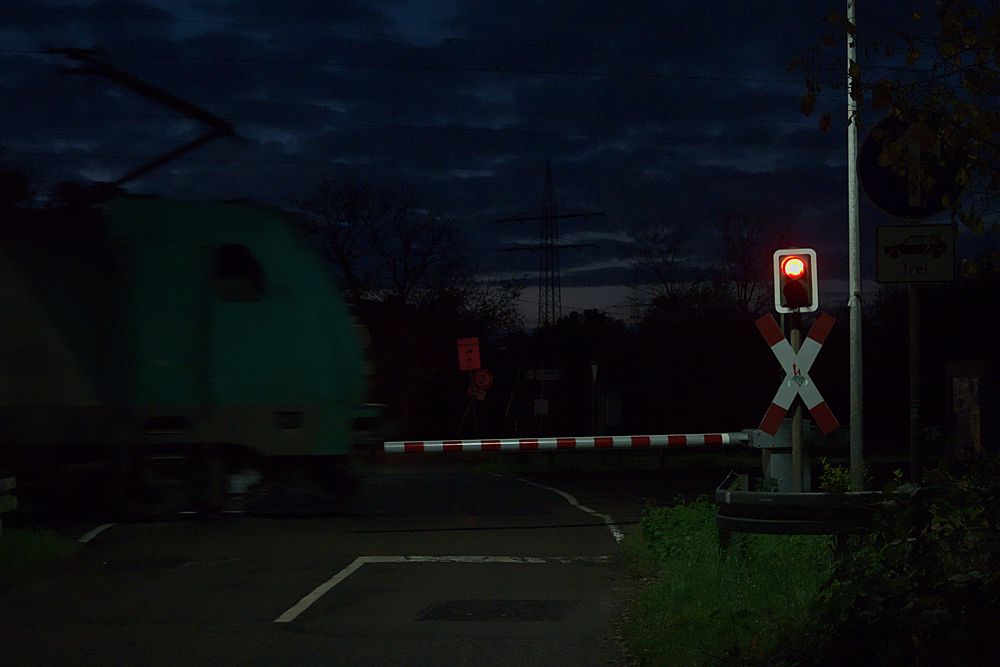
(27,552)
(700,607)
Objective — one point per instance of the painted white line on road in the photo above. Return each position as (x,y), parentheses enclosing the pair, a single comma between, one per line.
(324,588)
(608,521)
(320,591)
(467,559)
(94,532)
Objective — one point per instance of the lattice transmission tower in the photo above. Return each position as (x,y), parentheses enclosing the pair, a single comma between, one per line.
(549,275)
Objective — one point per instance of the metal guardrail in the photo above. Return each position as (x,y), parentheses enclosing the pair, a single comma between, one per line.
(743,511)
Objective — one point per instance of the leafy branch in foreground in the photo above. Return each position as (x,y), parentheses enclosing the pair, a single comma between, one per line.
(924,587)
(938,70)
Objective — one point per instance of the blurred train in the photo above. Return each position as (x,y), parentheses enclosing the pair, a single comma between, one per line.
(143,330)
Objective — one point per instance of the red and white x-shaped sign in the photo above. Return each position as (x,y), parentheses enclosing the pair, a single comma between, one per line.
(797,381)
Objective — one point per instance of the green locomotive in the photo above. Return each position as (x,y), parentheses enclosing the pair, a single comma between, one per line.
(143,328)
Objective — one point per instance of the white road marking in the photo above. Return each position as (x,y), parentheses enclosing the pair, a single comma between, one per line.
(94,532)
(608,521)
(324,588)
(321,590)
(465,559)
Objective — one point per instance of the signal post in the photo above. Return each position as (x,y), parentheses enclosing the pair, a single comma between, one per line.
(796,290)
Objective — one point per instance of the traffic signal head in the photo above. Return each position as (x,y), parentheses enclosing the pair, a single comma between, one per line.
(795,285)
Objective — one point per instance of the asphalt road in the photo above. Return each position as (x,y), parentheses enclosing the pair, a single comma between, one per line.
(429,566)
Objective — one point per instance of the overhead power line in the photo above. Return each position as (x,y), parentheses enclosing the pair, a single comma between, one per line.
(402,38)
(651,172)
(393,107)
(496,69)
(694,139)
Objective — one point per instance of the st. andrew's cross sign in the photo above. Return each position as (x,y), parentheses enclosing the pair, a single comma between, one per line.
(797,381)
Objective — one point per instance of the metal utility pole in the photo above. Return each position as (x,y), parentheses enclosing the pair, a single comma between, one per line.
(549,275)
(854,253)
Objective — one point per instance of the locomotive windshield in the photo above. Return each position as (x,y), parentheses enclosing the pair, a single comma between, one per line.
(238,275)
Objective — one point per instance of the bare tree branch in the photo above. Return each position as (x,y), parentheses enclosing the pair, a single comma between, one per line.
(657,253)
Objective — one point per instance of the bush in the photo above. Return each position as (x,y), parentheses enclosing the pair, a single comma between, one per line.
(924,588)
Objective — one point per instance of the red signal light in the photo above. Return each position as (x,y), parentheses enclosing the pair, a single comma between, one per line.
(795,286)
(793,267)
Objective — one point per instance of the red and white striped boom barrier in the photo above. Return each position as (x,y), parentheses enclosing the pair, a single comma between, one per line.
(555,444)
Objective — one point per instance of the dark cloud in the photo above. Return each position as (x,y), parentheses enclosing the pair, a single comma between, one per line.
(650,112)
(298,16)
(98,24)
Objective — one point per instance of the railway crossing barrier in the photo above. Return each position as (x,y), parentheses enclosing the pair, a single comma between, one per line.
(784,457)
(774,431)
(567,443)
(775,448)
(782,441)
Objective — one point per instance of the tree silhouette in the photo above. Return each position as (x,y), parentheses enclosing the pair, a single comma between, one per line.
(16,188)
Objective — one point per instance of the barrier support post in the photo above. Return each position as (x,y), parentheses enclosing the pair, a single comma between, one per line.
(797,476)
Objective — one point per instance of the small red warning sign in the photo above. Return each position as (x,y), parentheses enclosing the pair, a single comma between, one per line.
(468,354)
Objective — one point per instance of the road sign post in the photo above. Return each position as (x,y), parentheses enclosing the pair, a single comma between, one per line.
(541,376)
(480,379)
(915,254)
(914,325)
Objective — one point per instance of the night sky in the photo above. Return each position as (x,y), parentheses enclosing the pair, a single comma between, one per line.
(654,113)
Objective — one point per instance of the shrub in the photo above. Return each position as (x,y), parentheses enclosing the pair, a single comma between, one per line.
(924,588)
